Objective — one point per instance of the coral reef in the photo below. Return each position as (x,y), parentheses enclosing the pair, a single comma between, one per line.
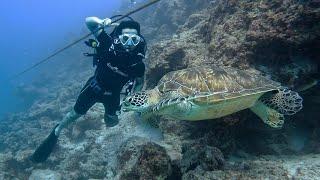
(205,157)
(44,174)
(263,167)
(164,19)
(140,159)
(243,34)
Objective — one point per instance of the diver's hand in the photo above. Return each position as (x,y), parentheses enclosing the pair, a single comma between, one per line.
(106,22)
(95,23)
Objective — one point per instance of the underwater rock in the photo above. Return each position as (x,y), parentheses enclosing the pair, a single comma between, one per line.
(206,157)
(139,158)
(45,174)
(272,33)
(242,34)
(215,133)
(167,17)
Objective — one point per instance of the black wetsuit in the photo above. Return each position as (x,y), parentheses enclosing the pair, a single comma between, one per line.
(106,84)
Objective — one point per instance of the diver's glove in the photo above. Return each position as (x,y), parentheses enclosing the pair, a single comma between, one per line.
(106,22)
(95,23)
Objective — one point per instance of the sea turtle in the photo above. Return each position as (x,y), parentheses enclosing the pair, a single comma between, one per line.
(209,92)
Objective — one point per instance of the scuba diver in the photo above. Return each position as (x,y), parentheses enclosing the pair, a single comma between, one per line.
(118,59)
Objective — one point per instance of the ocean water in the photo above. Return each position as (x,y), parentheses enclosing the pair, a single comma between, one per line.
(32,30)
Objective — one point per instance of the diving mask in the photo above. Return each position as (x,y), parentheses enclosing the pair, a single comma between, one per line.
(128,39)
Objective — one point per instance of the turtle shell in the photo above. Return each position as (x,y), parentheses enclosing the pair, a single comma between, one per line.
(209,84)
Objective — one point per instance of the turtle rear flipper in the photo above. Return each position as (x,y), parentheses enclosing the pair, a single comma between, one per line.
(285,101)
(271,108)
(268,115)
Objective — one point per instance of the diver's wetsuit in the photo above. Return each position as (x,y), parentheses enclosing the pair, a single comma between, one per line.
(106,84)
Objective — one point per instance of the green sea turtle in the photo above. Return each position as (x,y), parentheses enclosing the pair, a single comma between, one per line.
(209,92)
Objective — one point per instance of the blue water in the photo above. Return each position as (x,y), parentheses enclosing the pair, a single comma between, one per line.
(31,30)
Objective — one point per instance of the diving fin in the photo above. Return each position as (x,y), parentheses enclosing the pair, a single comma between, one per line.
(42,153)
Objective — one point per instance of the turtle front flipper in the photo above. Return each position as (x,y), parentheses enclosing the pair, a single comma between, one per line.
(173,107)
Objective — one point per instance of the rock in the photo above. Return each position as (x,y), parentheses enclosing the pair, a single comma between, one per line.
(45,174)
(139,158)
(167,16)
(241,34)
(201,174)
(206,157)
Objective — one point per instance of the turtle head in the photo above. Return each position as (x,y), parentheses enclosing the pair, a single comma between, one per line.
(141,101)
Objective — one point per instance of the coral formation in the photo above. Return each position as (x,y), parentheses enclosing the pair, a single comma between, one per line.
(205,157)
(244,34)
(140,159)
(44,174)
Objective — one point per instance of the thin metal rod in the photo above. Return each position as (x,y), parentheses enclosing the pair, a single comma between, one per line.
(49,57)
(136,10)
(79,40)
